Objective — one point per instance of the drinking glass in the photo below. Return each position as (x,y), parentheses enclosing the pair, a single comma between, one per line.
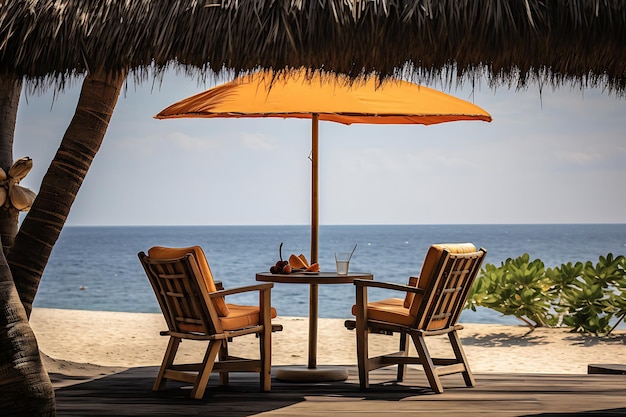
(342,260)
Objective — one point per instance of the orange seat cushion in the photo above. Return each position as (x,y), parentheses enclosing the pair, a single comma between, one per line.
(390,310)
(242,316)
(160,252)
(434,254)
(238,318)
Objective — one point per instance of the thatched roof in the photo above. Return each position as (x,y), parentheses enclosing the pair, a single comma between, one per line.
(556,41)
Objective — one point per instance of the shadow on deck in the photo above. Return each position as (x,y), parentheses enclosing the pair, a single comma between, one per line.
(129,393)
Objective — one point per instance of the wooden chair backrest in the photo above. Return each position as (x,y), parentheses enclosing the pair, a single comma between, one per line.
(447,290)
(182,294)
(162,252)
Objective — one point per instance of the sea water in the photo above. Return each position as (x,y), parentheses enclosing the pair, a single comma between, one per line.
(96,268)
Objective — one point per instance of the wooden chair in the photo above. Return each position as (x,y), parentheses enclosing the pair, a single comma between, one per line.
(195,310)
(431,306)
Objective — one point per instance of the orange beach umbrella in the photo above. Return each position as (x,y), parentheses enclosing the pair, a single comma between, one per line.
(306,95)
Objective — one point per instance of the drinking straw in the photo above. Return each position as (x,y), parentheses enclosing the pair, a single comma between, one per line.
(352,253)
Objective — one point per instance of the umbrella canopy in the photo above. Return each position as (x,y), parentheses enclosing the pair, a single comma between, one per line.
(334,98)
(311,95)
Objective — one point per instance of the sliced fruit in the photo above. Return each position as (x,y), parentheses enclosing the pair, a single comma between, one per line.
(297,263)
(314,268)
(303,259)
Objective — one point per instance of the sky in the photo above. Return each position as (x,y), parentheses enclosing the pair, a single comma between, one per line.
(548,156)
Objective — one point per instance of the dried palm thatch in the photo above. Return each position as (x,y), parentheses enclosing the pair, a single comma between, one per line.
(556,42)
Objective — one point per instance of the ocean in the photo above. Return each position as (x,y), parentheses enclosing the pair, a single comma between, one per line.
(96,268)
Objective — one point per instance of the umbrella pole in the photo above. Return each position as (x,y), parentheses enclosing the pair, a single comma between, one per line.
(313,295)
(314,189)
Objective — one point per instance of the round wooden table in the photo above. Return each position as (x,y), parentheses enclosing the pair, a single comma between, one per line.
(312,372)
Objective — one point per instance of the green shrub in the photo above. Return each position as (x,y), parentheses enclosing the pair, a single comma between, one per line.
(519,288)
(585,297)
(592,300)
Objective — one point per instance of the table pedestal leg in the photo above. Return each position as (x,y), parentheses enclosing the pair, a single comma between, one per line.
(313,312)
(312,372)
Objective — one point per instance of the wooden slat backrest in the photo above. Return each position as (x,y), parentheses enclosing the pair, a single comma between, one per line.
(182,294)
(447,290)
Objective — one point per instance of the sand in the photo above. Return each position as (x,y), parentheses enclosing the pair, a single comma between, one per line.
(85,344)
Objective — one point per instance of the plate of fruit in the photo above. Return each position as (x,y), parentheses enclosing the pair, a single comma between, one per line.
(297,264)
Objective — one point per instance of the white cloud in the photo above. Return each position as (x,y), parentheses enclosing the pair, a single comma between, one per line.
(257,141)
(192,143)
(580,158)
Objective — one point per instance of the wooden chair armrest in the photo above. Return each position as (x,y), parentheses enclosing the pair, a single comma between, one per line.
(249,288)
(387,286)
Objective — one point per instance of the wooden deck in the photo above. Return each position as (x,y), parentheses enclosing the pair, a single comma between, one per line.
(129,394)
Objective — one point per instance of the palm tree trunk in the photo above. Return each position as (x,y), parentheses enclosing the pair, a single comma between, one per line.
(25,387)
(10,90)
(42,225)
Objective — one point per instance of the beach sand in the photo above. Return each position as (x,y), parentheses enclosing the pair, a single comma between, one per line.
(80,345)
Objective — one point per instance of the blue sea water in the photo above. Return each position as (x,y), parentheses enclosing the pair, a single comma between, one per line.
(103,260)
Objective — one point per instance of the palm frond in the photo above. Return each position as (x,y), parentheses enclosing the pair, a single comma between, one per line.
(511,41)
